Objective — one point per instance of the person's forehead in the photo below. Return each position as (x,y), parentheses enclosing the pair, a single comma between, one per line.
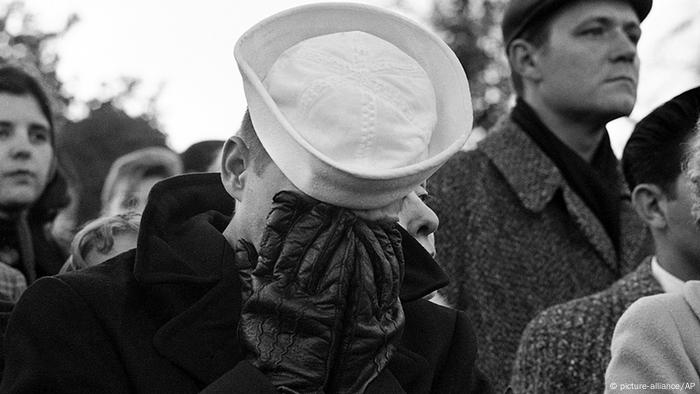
(581,11)
(23,107)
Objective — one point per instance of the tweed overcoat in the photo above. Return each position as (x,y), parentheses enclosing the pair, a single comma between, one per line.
(566,348)
(515,239)
(657,341)
(163,318)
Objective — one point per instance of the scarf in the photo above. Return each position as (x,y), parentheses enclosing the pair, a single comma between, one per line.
(594,182)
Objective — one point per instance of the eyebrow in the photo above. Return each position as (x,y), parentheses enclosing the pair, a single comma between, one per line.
(39,125)
(608,21)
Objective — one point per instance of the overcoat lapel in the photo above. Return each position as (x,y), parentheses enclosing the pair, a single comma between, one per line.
(535,180)
(202,338)
(589,224)
(187,271)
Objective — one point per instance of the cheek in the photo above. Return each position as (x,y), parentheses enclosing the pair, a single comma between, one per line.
(571,65)
(256,205)
(44,163)
(257,201)
(682,217)
(573,70)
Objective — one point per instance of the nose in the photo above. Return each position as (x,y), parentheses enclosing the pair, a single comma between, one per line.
(21,147)
(425,222)
(419,220)
(625,48)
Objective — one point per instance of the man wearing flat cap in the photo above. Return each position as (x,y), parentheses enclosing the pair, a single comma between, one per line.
(539,213)
(310,286)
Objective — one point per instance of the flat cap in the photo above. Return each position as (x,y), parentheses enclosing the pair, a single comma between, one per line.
(519,14)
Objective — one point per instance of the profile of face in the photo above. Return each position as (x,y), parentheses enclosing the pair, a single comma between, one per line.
(130,195)
(418,219)
(589,64)
(683,230)
(254,193)
(26,154)
(122,242)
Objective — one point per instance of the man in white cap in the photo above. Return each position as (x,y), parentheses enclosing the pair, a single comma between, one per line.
(310,286)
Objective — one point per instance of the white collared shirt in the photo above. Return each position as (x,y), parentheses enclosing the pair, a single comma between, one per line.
(668,282)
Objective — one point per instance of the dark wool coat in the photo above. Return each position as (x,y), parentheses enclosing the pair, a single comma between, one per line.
(40,254)
(566,348)
(515,239)
(163,318)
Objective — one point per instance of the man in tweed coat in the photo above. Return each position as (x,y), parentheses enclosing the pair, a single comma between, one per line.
(566,348)
(539,213)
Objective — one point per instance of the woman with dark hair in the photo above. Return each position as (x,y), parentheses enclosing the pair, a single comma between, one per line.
(31,189)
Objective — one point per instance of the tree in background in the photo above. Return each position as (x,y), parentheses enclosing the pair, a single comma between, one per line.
(86,148)
(23,44)
(472,28)
(92,144)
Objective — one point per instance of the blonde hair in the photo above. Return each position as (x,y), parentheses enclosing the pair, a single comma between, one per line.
(99,235)
(138,165)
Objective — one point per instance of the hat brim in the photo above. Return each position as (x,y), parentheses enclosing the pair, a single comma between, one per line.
(309,169)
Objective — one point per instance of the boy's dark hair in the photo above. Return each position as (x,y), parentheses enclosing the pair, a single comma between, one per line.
(200,155)
(655,152)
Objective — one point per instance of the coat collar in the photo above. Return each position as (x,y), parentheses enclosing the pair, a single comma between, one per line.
(186,268)
(201,337)
(530,173)
(528,170)
(535,179)
(691,294)
(639,283)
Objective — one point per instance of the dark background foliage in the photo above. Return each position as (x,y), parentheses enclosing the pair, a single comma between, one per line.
(86,147)
(472,29)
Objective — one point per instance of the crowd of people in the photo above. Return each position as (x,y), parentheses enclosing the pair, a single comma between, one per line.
(342,241)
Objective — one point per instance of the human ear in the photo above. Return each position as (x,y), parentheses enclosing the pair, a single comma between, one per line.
(523,59)
(235,159)
(650,203)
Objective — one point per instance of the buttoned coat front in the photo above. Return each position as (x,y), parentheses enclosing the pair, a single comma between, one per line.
(515,239)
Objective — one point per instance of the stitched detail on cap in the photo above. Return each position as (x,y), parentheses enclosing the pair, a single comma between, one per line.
(367,126)
(360,70)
